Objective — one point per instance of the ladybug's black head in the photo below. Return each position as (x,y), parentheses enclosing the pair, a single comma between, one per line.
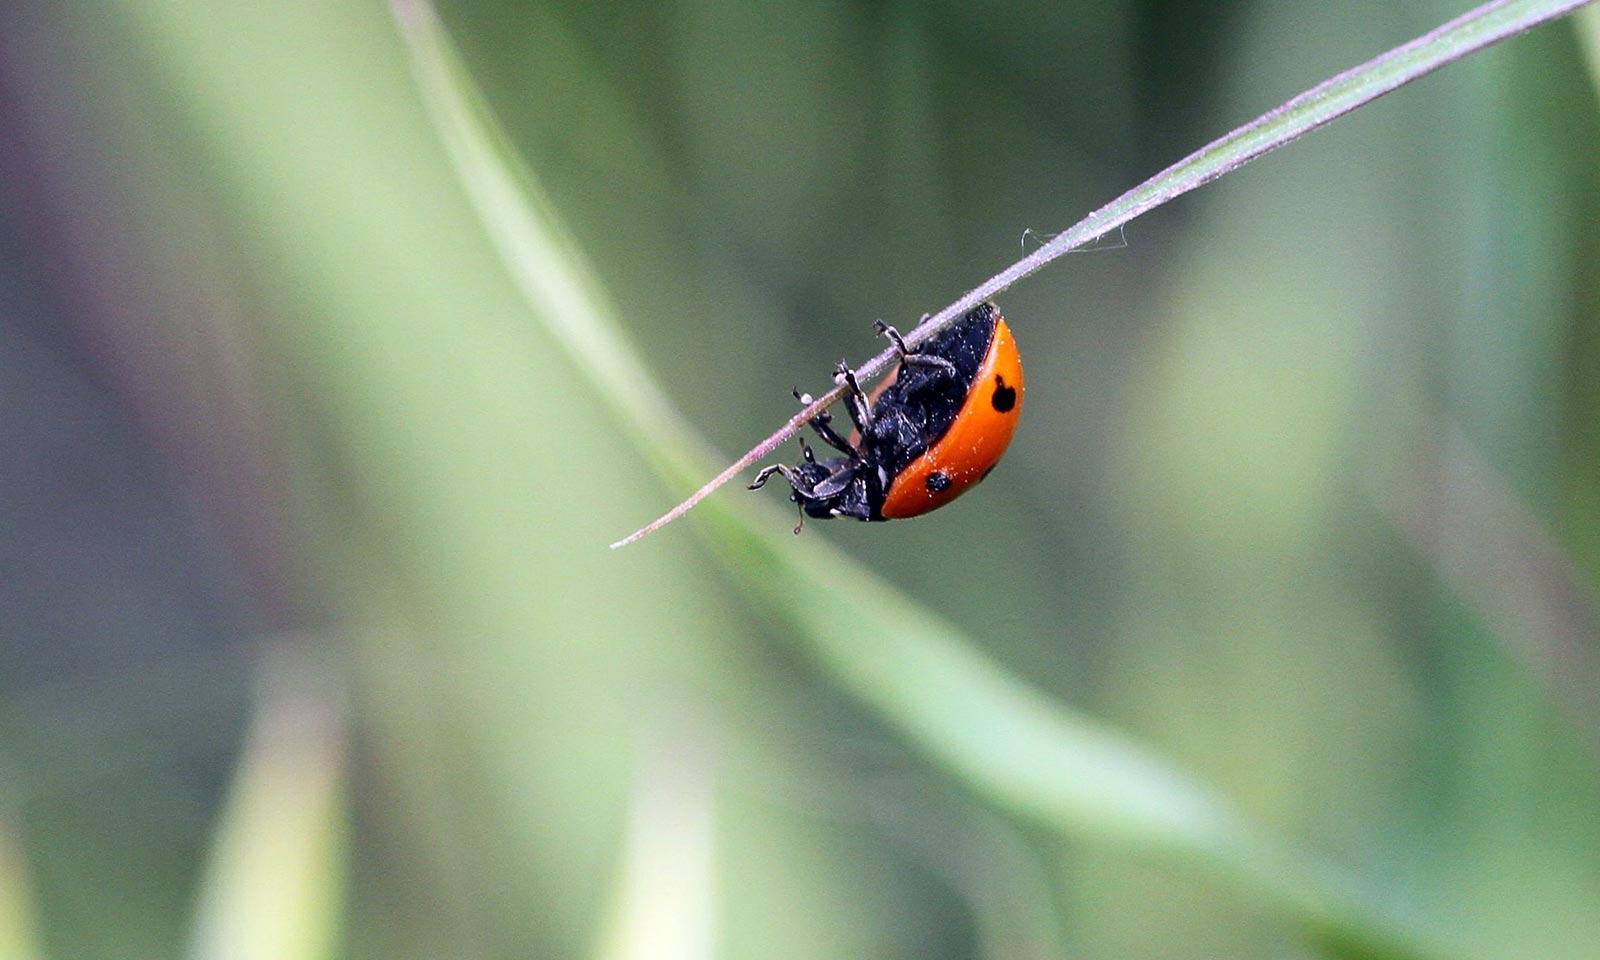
(805,479)
(836,487)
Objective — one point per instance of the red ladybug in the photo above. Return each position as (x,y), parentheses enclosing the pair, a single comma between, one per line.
(932,429)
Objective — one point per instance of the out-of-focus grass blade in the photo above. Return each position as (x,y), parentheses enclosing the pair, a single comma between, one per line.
(273,888)
(665,908)
(1023,752)
(18,939)
(541,254)
(1587,24)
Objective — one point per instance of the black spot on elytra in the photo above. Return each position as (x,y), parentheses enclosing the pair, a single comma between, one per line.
(938,481)
(1004,397)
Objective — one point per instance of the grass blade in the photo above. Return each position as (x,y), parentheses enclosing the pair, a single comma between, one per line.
(272,890)
(19,938)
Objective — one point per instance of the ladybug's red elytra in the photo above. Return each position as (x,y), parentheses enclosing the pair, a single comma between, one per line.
(933,429)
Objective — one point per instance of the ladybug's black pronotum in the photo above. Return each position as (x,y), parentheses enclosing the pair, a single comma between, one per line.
(935,427)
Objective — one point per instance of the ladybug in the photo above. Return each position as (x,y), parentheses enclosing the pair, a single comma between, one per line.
(931,430)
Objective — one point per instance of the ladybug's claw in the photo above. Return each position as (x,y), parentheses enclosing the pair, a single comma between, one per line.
(885,330)
(766,474)
(845,375)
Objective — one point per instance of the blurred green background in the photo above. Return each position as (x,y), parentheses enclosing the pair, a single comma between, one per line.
(311,645)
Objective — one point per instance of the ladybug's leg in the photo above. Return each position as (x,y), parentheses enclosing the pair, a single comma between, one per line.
(914,359)
(822,424)
(766,474)
(831,437)
(854,400)
(886,330)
